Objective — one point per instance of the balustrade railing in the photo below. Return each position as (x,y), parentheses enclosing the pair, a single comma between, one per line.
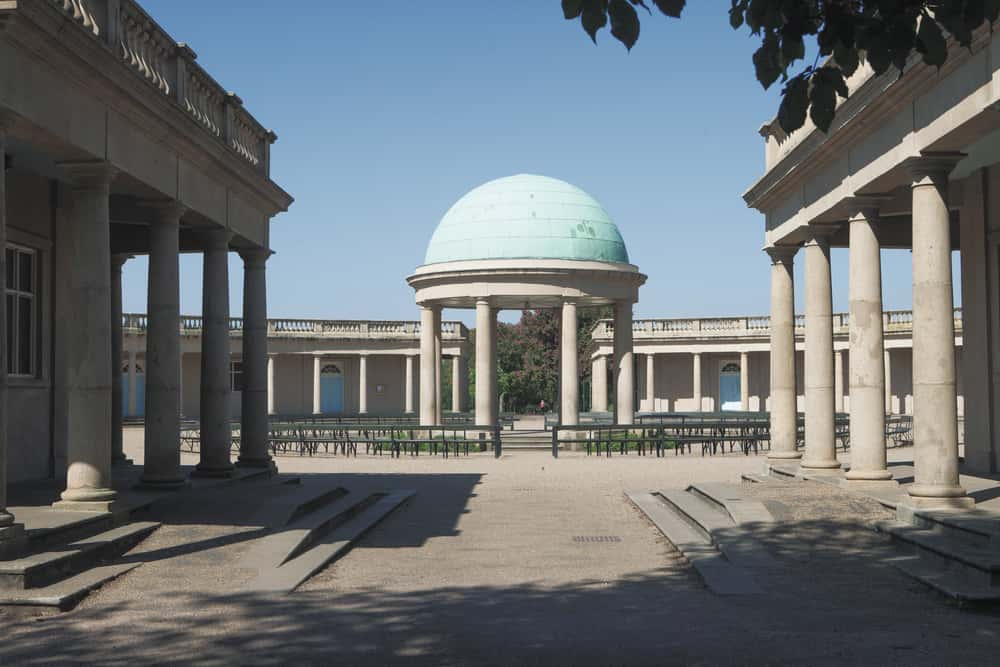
(893,321)
(138,322)
(169,67)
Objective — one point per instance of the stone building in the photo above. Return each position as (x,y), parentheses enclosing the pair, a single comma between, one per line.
(115,142)
(909,162)
(331,367)
(723,363)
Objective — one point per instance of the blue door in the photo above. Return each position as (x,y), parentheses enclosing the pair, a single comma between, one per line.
(729,387)
(140,394)
(331,390)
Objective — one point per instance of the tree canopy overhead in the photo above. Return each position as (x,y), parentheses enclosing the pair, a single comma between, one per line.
(882,32)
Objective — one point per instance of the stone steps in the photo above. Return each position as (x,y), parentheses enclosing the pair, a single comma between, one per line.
(287,558)
(62,595)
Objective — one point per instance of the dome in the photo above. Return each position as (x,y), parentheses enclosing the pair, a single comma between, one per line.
(526,217)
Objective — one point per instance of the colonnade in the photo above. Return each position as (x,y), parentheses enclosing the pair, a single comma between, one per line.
(93,311)
(935,431)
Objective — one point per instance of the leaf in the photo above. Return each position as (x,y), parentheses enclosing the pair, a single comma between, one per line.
(594,17)
(736,17)
(671,8)
(794,104)
(624,22)
(823,98)
(846,58)
(930,42)
(767,61)
(572,8)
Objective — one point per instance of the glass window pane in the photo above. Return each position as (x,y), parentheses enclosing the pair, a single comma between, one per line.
(24,339)
(11,323)
(9,259)
(26,264)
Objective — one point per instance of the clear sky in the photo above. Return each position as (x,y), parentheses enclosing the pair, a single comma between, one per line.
(389,111)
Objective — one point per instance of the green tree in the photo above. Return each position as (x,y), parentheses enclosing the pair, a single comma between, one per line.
(885,33)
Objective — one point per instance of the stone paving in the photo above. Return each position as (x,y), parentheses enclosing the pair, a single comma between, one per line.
(525,560)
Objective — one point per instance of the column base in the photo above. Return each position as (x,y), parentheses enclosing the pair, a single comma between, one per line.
(13,541)
(928,496)
(853,475)
(784,456)
(821,467)
(86,500)
(267,463)
(213,470)
(121,461)
(924,503)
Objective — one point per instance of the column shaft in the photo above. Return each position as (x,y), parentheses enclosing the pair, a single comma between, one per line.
(485,366)
(428,379)
(935,417)
(784,413)
(867,369)
(88,276)
(132,403)
(821,453)
(888,381)
(270,384)
(456,384)
(254,400)
(363,384)
(438,369)
(216,432)
(599,383)
(651,382)
(838,381)
(317,385)
(162,463)
(744,382)
(696,380)
(624,367)
(408,385)
(569,375)
(117,446)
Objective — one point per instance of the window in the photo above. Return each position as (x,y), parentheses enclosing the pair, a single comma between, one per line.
(236,375)
(22,289)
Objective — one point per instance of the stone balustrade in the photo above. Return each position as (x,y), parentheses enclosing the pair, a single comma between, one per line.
(136,323)
(169,67)
(894,321)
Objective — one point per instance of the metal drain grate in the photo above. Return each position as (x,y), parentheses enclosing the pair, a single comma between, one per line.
(596,539)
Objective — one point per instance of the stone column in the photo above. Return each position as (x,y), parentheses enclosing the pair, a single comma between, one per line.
(651,382)
(696,380)
(428,379)
(838,381)
(438,369)
(88,316)
(88,390)
(485,362)
(821,453)
(117,446)
(456,384)
(867,370)
(11,533)
(216,432)
(270,384)
(888,381)
(744,382)
(569,373)
(363,384)
(132,404)
(599,383)
(935,416)
(408,385)
(494,385)
(317,385)
(254,400)
(624,367)
(162,464)
(784,412)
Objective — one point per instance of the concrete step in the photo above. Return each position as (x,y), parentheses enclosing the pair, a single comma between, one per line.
(974,527)
(950,584)
(43,568)
(731,500)
(301,497)
(720,575)
(60,596)
(977,567)
(304,563)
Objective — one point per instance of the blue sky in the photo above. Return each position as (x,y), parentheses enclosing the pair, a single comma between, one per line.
(389,111)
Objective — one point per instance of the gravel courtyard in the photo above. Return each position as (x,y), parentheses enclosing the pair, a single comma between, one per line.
(523,560)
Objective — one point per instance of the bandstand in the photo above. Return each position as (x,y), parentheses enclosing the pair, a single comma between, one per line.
(525,242)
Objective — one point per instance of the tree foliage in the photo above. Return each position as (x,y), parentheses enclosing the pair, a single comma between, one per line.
(847,32)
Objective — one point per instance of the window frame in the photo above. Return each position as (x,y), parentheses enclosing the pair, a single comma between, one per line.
(13,327)
(236,371)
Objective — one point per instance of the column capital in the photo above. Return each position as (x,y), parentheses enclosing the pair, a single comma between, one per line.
(484,301)
(782,254)
(255,257)
(932,167)
(819,235)
(865,207)
(165,211)
(89,175)
(216,238)
(118,261)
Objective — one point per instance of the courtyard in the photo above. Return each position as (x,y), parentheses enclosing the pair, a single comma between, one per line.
(524,559)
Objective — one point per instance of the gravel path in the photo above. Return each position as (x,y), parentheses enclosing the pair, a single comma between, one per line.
(525,560)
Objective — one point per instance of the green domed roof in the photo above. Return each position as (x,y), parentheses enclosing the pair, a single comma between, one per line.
(526,217)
